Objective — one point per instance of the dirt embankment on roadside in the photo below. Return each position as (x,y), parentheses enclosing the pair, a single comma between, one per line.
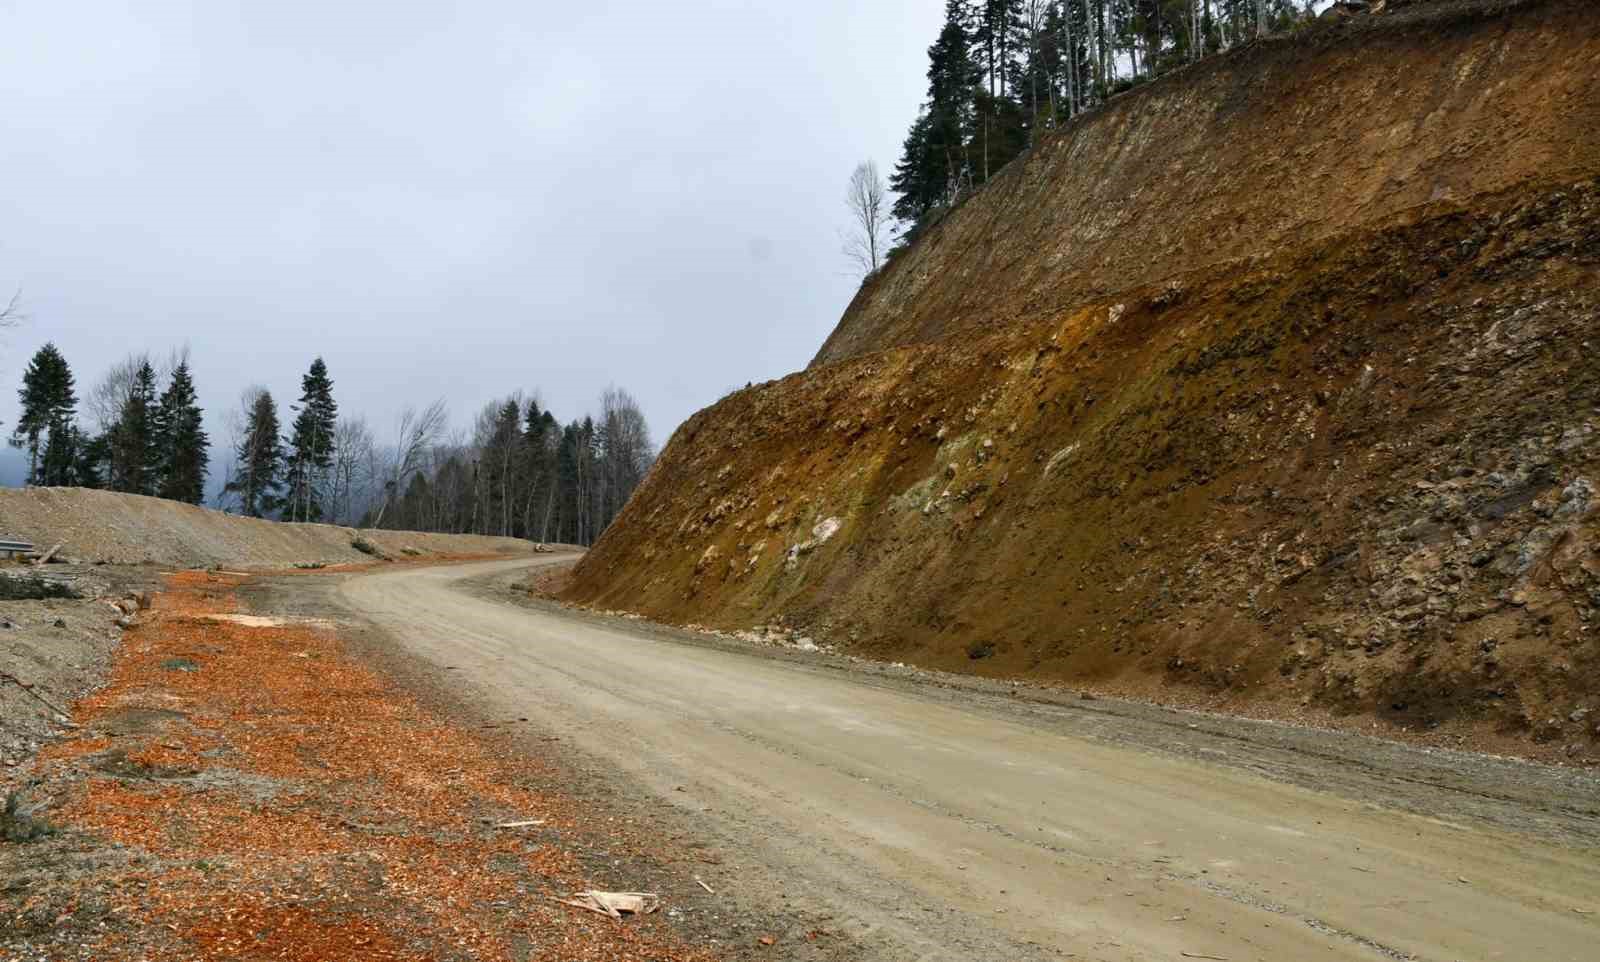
(103,526)
(1301,411)
(1276,146)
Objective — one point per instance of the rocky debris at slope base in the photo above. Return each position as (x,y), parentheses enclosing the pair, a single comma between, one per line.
(1358,477)
(57,645)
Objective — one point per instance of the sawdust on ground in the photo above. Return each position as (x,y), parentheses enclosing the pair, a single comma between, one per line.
(250,792)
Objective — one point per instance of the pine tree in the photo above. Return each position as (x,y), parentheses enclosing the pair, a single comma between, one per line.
(1074,30)
(59,460)
(311,443)
(260,455)
(134,457)
(918,178)
(1001,126)
(180,440)
(935,166)
(568,479)
(45,426)
(93,453)
(499,461)
(541,439)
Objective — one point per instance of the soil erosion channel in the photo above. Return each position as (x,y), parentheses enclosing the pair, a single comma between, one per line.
(936,829)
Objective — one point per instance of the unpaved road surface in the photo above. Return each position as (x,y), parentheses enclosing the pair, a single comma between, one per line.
(934,828)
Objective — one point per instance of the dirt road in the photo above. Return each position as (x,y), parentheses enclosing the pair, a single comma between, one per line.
(932,828)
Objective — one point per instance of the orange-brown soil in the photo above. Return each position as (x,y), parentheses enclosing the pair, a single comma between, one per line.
(242,792)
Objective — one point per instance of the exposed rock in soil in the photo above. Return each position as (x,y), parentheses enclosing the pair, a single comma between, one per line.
(1293,399)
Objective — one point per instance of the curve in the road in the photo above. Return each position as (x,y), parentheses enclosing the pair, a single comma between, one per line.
(945,833)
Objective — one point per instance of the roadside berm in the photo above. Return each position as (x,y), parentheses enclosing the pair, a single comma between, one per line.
(1269,386)
(104,527)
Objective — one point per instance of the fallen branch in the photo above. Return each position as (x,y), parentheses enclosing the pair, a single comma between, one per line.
(702,884)
(45,558)
(613,904)
(522,824)
(1196,955)
(5,676)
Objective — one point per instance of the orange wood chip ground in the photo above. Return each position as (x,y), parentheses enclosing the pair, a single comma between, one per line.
(283,801)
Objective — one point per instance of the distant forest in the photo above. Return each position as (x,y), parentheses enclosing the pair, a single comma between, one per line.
(1001,72)
(518,472)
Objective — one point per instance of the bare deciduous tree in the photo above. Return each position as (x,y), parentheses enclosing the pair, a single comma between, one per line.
(106,399)
(417,433)
(235,424)
(626,448)
(109,395)
(867,199)
(11,315)
(353,447)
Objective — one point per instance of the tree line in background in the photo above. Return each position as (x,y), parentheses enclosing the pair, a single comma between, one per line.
(146,443)
(523,474)
(518,473)
(1002,72)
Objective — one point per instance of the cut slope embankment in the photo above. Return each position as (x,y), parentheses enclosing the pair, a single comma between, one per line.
(1276,146)
(103,526)
(1347,466)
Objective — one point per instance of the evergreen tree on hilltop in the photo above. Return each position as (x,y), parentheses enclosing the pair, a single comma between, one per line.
(181,441)
(934,164)
(45,426)
(504,462)
(998,36)
(93,454)
(58,460)
(260,455)
(1001,128)
(311,444)
(1003,70)
(538,454)
(134,457)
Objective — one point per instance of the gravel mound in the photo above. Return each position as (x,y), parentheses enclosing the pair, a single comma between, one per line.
(111,528)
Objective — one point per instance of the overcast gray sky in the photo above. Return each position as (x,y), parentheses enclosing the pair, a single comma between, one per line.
(452,200)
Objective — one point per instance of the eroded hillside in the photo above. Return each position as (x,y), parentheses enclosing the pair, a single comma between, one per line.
(1301,410)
